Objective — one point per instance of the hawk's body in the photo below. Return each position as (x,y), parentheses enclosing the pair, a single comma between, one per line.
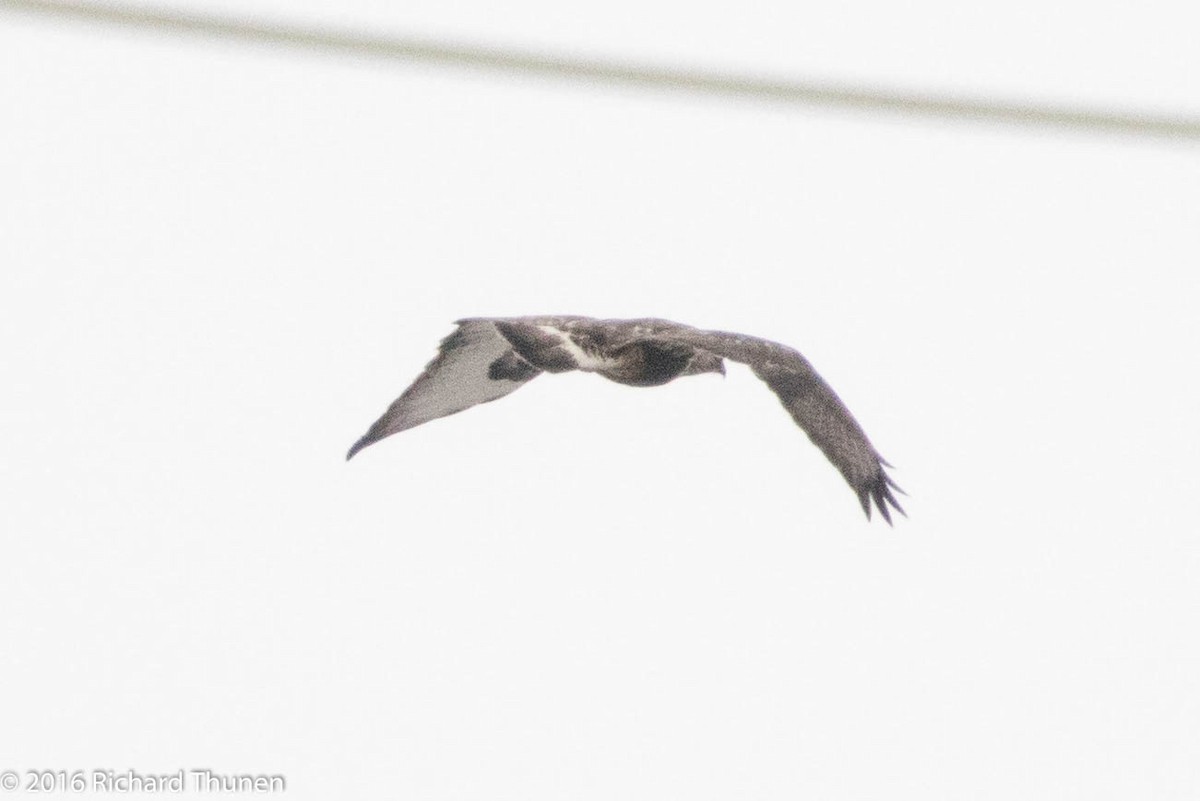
(487,358)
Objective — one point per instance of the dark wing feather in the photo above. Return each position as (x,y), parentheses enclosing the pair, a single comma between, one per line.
(814,406)
(474,365)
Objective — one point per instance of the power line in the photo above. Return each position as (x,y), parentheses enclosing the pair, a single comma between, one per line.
(599,71)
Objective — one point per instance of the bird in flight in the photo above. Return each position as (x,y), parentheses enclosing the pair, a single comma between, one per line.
(486,358)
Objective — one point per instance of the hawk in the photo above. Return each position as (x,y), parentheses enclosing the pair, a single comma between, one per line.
(486,358)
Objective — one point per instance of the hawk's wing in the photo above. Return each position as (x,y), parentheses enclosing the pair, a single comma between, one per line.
(814,406)
(474,365)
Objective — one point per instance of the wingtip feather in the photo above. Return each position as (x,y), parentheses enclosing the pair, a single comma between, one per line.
(358,446)
(878,494)
(865,499)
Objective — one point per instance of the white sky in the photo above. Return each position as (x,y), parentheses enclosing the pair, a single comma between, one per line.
(220,263)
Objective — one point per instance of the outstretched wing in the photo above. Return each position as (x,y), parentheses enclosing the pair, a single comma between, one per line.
(474,365)
(814,406)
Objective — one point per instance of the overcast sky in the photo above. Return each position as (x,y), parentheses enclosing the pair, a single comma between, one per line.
(220,263)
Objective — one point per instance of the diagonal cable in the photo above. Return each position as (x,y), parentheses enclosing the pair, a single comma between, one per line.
(600,71)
